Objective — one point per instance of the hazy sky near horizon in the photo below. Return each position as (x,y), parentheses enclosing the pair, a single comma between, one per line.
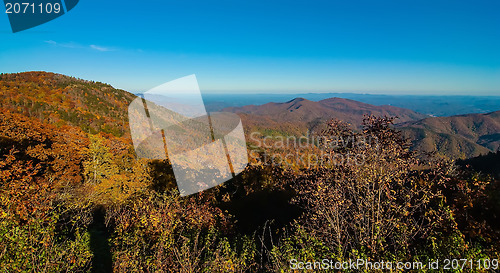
(382,47)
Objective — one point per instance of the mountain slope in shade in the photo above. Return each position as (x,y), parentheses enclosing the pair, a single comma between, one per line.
(457,136)
(302,112)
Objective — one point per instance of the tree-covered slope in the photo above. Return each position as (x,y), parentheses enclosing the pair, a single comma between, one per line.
(461,136)
(62,100)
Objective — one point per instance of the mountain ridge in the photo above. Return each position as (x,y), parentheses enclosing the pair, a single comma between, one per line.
(458,136)
(303,110)
(64,100)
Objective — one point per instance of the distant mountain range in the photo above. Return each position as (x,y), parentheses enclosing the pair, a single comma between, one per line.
(98,107)
(435,105)
(461,136)
(309,114)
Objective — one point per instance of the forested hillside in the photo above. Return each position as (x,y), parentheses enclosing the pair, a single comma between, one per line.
(461,136)
(62,100)
(455,137)
(74,197)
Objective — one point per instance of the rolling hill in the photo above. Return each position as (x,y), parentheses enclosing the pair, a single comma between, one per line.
(460,136)
(63,100)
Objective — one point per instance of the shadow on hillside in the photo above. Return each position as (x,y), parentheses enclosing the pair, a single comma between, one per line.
(102,261)
(253,211)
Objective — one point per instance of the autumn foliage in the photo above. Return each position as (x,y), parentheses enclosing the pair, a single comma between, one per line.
(75,198)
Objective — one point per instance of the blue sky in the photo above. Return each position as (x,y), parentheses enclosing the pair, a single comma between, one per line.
(243,46)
